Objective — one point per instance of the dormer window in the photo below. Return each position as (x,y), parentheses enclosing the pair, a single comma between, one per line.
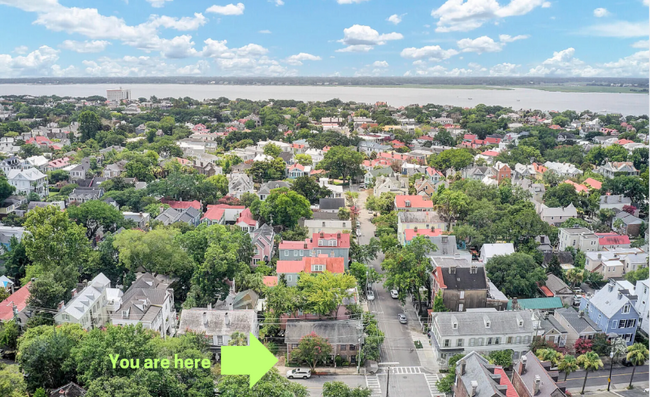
(487,324)
(626,309)
(317,268)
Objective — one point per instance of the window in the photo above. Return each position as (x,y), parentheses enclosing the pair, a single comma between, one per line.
(219,340)
(480,341)
(344,347)
(626,309)
(353,347)
(462,294)
(459,343)
(446,343)
(615,324)
(317,268)
(489,341)
(527,339)
(518,340)
(454,325)
(509,340)
(460,307)
(497,340)
(289,277)
(599,317)
(295,253)
(472,341)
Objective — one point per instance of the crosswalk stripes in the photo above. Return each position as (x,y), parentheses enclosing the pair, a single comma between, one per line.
(431,382)
(405,370)
(372,383)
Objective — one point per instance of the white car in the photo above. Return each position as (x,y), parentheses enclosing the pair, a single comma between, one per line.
(299,373)
(370,295)
(394,294)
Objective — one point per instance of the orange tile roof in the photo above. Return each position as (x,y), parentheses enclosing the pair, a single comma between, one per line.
(593,183)
(579,188)
(410,234)
(18,298)
(415,200)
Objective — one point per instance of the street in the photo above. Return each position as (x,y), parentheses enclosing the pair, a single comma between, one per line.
(598,378)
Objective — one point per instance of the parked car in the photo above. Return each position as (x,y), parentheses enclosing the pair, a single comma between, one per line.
(394,294)
(370,295)
(402,318)
(299,373)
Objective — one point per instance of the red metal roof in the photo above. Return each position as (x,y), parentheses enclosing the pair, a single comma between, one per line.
(270,281)
(177,205)
(410,234)
(415,201)
(612,239)
(246,217)
(510,391)
(593,183)
(547,292)
(18,298)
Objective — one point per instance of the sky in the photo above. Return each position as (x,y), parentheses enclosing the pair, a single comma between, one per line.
(562,38)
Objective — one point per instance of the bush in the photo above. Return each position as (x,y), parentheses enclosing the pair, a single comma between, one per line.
(418,344)
(338,360)
(273,348)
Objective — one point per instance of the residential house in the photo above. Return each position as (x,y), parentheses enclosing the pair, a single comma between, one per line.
(11,163)
(372,175)
(413,203)
(238,184)
(317,155)
(70,390)
(330,244)
(642,290)
(613,240)
(482,331)
(87,307)
(336,191)
(141,219)
(614,201)
(418,220)
(326,226)
(577,325)
(531,378)
(488,251)
(297,170)
(551,330)
(28,181)
(246,222)
(263,241)
(368,147)
(462,284)
(613,310)
(148,301)
(13,307)
(189,215)
(331,204)
(612,169)
(79,171)
(219,325)
(343,335)
(7,232)
(563,169)
(557,216)
(546,304)
(478,173)
(58,164)
(580,238)
(223,214)
(387,184)
(81,195)
(617,262)
(291,269)
(626,223)
(265,188)
(475,376)
(38,162)
(558,288)
(114,170)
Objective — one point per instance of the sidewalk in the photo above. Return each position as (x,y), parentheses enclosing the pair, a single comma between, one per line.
(618,389)
(425,355)
(324,371)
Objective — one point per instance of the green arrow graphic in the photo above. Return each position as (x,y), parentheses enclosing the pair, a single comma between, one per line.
(254,360)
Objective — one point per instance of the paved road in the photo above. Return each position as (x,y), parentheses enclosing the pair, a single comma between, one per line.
(599,378)
(315,385)
(398,348)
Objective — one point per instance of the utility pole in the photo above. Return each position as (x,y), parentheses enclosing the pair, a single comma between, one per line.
(387,381)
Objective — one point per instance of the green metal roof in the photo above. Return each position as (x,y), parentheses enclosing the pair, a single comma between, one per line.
(538,303)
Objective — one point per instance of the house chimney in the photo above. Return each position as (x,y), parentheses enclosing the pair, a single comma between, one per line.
(581,314)
(474,387)
(620,198)
(61,305)
(305,247)
(415,229)
(209,306)
(600,255)
(205,319)
(338,236)
(226,319)
(322,235)
(524,360)
(463,364)
(74,292)
(536,385)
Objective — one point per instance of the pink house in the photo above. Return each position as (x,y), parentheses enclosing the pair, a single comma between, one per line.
(246,222)
(263,241)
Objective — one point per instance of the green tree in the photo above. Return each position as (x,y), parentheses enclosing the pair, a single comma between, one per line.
(561,195)
(272,150)
(384,204)
(568,364)
(238,339)
(15,259)
(9,333)
(551,355)
(58,176)
(636,275)
(589,362)
(156,251)
(555,268)
(342,161)
(96,214)
(637,354)
(501,357)
(167,124)
(340,389)
(6,189)
(270,170)
(450,204)
(285,207)
(574,276)
(451,158)
(89,124)
(309,187)
(12,383)
(324,292)
(517,275)
(344,214)
(303,159)
(117,387)
(438,303)
(312,349)
(364,274)
(444,137)
(271,385)
(446,384)
(629,186)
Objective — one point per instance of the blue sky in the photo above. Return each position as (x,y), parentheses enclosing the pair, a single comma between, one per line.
(582,38)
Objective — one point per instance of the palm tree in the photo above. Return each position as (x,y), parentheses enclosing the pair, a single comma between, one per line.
(637,354)
(575,276)
(589,362)
(237,339)
(568,365)
(551,355)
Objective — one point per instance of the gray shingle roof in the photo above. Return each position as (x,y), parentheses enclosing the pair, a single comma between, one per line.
(479,370)
(238,321)
(576,322)
(336,332)
(473,322)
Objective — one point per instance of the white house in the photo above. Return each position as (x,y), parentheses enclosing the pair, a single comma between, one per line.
(557,216)
(488,251)
(579,238)
(219,325)
(88,306)
(28,181)
(327,225)
(642,307)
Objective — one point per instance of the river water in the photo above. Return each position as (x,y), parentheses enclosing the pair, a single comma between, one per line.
(517,98)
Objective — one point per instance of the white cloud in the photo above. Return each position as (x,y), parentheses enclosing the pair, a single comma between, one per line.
(636,64)
(463,16)
(157,3)
(303,56)
(504,69)
(601,12)
(265,31)
(350,1)
(380,64)
(85,46)
(21,50)
(128,66)
(480,45)
(178,47)
(230,9)
(546,4)
(641,44)
(361,38)
(37,63)
(618,29)
(199,68)
(564,63)
(182,24)
(438,70)
(395,19)
(279,3)
(432,52)
(506,38)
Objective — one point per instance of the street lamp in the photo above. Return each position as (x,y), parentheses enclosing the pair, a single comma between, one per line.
(611,367)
